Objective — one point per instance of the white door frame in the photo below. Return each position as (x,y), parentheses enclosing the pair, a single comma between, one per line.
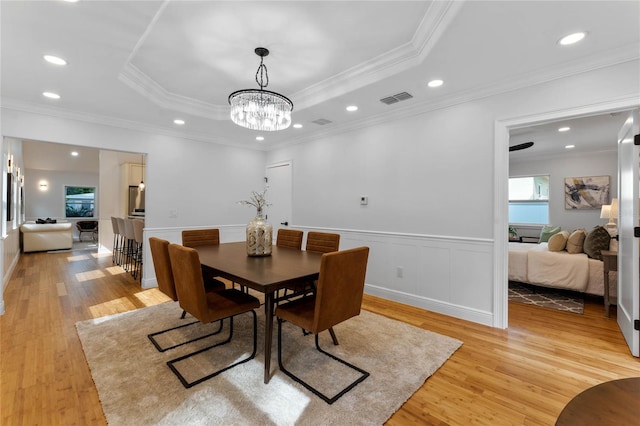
(275,222)
(628,279)
(501,193)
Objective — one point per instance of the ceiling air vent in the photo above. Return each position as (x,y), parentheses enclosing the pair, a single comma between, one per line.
(321,121)
(396,98)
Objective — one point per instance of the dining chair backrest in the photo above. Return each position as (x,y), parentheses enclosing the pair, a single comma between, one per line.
(200,237)
(290,238)
(138,230)
(187,275)
(340,287)
(162,266)
(322,242)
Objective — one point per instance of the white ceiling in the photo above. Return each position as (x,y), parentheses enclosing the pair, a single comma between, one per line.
(142,64)
(52,156)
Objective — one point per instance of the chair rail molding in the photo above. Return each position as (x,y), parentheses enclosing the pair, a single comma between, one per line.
(445,274)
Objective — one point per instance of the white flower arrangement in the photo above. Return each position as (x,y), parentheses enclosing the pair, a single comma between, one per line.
(257,200)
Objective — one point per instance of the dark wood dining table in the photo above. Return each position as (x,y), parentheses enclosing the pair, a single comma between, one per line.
(285,267)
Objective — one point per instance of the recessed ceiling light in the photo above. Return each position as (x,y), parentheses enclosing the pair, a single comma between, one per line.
(297,126)
(178,121)
(50,95)
(570,146)
(74,153)
(564,129)
(259,138)
(435,83)
(54,60)
(571,38)
(352,108)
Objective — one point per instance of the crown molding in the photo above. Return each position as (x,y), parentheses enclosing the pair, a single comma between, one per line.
(436,20)
(622,55)
(147,87)
(613,57)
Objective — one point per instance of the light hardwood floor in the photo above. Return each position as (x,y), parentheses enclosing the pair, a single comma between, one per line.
(522,376)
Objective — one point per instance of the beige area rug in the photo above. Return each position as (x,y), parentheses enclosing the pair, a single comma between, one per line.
(135,385)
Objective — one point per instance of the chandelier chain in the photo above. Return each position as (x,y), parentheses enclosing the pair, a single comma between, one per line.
(262,70)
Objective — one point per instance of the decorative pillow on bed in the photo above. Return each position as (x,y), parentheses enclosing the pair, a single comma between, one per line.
(547,232)
(575,243)
(596,241)
(558,241)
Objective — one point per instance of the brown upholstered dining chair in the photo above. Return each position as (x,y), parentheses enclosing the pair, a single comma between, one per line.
(164,276)
(322,242)
(200,237)
(203,237)
(290,238)
(338,297)
(207,307)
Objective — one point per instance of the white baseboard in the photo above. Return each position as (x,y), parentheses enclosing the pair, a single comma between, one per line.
(457,311)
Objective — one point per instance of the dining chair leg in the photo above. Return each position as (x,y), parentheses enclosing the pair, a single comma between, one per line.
(188,384)
(333,336)
(329,400)
(152,336)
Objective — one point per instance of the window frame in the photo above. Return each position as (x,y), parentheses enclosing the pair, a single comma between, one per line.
(93,201)
(531,201)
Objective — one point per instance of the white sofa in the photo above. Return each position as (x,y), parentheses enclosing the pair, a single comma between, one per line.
(46,236)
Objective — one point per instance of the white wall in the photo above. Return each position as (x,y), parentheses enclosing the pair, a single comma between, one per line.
(561,167)
(50,203)
(10,238)
(429,178)
(200,182)
(430,181)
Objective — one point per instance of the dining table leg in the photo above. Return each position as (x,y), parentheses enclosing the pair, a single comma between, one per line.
(268,334)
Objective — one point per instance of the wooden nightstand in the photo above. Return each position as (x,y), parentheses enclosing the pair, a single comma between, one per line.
(610,263)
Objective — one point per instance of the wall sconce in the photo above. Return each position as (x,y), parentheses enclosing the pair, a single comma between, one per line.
(44,185)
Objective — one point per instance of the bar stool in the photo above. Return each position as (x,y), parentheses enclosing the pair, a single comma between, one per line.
(122,248)
(130,250)
(138,232)
(116,240)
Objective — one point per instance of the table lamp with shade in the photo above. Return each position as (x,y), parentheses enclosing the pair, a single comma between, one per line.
(610,211)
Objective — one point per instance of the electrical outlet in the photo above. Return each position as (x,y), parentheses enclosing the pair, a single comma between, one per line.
(399,271)
(173,213)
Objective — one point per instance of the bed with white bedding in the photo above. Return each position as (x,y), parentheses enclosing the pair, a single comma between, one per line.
(535,264)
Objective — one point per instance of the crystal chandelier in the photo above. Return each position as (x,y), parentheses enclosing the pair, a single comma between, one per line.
(260,109)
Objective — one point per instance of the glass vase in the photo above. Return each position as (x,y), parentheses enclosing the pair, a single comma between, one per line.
(259,236)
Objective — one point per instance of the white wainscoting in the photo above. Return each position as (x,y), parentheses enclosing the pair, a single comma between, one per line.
(448,275)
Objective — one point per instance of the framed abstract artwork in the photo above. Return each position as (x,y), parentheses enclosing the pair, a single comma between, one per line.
(586,193)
